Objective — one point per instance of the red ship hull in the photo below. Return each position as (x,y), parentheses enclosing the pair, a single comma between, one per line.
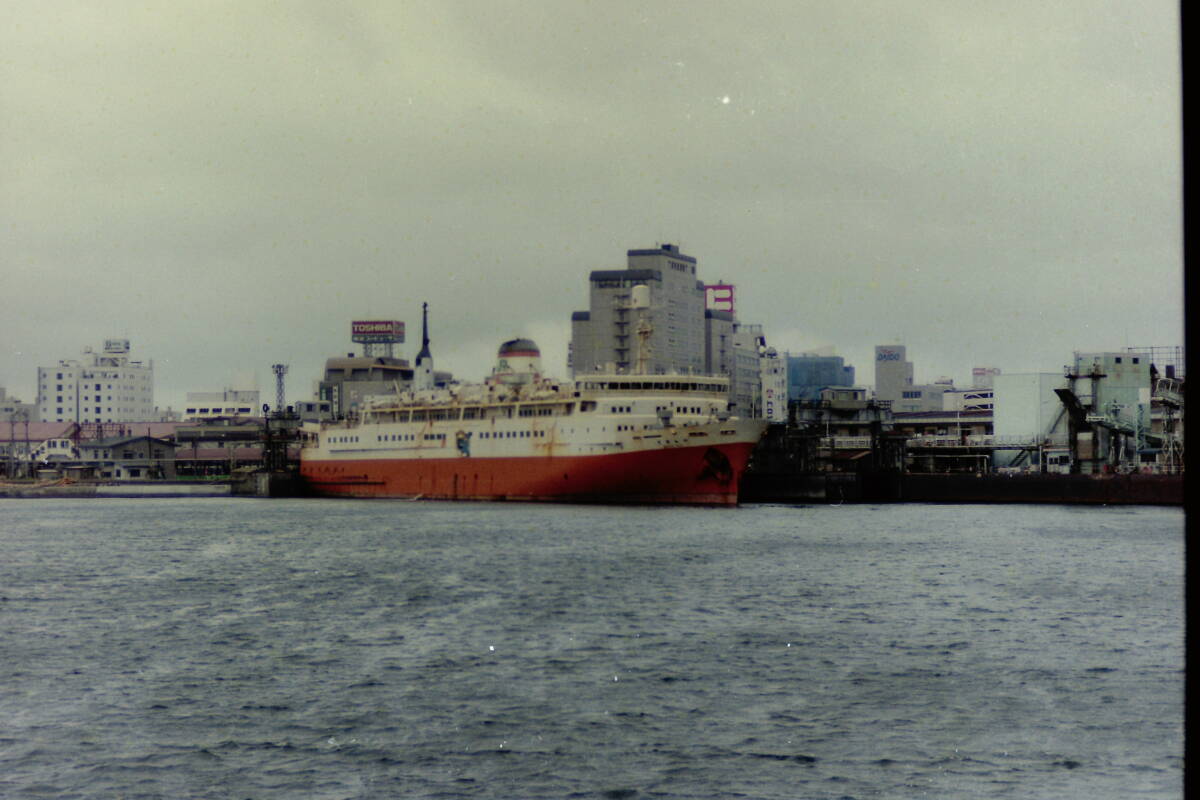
(705,475)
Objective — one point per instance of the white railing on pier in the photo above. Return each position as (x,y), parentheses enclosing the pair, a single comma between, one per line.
(846,442)
(1007,442)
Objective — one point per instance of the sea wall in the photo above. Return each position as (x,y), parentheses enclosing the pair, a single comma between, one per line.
(116,489)
(848,487)
(1132,489)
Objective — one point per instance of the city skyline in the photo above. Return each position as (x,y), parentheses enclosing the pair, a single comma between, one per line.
(988,186)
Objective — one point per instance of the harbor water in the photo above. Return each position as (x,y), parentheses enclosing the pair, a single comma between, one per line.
(243,648)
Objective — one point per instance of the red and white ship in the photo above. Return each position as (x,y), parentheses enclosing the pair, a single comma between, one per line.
(615,438)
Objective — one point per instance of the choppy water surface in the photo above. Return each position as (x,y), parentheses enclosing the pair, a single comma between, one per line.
(341,649)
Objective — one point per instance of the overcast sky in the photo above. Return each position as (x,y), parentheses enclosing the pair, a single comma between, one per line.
(230,184)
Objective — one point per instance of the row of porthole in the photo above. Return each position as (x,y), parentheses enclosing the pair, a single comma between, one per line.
(513,435)
(408,437)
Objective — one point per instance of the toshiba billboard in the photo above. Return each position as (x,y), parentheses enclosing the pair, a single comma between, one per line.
(376,331)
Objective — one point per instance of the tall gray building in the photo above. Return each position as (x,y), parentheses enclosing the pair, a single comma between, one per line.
(605,336)
(893,371)
(894,382)
(719,327)
(684,336)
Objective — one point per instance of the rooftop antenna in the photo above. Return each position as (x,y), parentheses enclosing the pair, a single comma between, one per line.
(280,370)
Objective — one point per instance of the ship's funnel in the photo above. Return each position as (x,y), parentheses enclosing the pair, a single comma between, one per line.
(518,362)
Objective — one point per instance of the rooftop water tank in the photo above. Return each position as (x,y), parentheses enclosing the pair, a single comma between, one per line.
(641,296)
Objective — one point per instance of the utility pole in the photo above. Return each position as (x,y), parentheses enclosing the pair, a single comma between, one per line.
(12,445)
(25,418)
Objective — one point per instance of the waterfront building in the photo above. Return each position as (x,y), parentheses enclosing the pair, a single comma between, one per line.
(718,341)
(978,397)
(745,379)
(894,382)
(809,373)
(217,447)
(99,387)
(949,441)
(1026,409)
(13,408)
(349,381)
(130,457)
(974,399)
(774,383)
(893,371)
(1108,400)
(983,377)
(955,426)
(21,439)
(923,397)
(1115,384)
(314,410)
(227,403)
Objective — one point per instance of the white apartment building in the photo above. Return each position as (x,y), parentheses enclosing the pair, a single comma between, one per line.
(99,387)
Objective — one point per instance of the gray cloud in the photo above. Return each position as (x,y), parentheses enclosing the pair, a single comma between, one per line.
(230,184)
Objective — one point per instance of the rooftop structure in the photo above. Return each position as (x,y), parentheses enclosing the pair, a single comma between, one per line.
(226,403)
(1168,362)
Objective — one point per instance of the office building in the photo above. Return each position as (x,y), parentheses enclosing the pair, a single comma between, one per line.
(675,324)
(809,373)
(605,337)
(12,408)
(774,382)
(227,403)
(894,382)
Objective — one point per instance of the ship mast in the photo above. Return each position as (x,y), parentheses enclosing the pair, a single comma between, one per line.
(423,377)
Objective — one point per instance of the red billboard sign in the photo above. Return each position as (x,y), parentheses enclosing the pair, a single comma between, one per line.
(718,297)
